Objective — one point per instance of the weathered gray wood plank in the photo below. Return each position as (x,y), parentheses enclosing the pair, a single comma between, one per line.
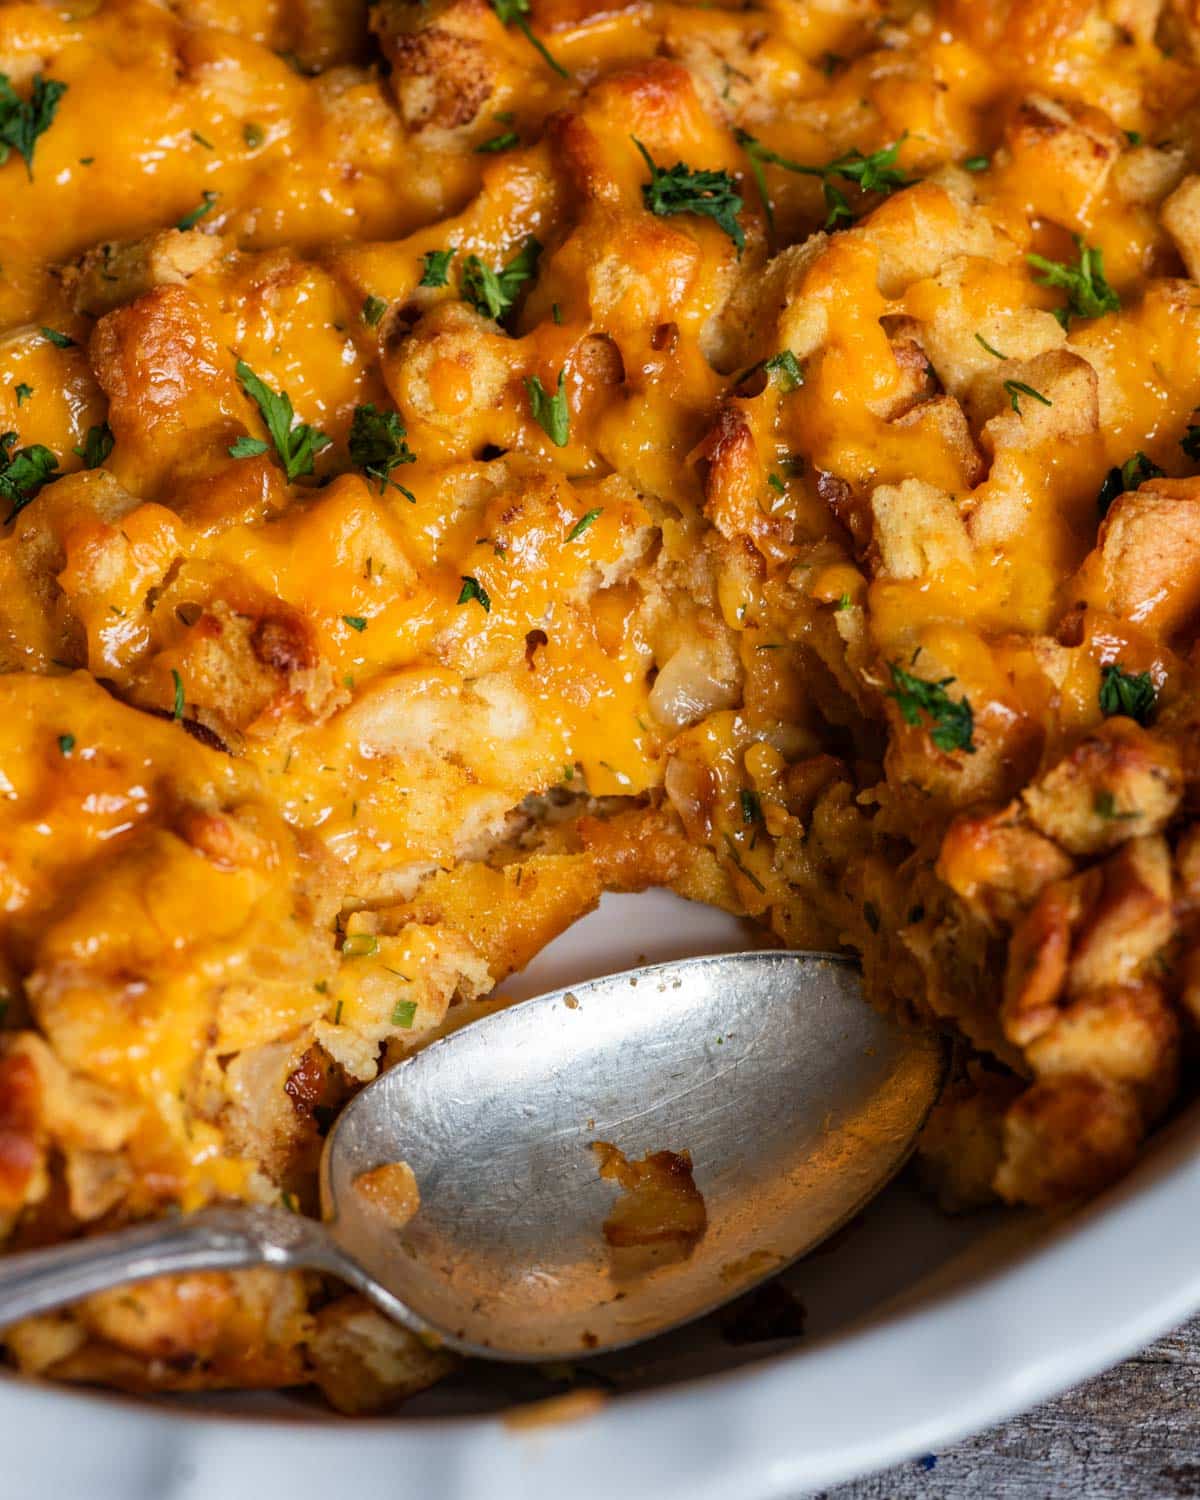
(1132,1434)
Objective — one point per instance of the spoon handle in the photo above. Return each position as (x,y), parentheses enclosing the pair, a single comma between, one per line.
(213,1239)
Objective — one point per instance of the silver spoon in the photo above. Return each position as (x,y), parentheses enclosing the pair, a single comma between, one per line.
(796,1101)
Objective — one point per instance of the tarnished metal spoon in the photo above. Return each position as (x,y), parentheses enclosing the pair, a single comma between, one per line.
(796,1101)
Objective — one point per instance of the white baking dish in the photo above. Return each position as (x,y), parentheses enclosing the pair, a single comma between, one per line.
(919,1330)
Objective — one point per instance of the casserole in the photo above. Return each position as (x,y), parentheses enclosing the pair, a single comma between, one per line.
(464,459)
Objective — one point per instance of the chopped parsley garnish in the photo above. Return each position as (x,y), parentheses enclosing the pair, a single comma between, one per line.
(751,806)
(757,154)
(505,141)
(355,622)
(23,472)
(550,412)
(784,369)
(22,393)
(377,446)
(556,312)
(584,522)
(296,443)
(360,945)
(991,349)
(248,447)
(437,266)
(977,163)
(516,13)
(680,190)
(1015,389)
(373,309)
(845,602)
(66,743)
(1130,475)
(473,589)
(1105,806)
(208,199)
(1130,694)
(741,867)
(59,340)
(1088,293)
(253,135)
(875,172)
(777,484)
(951,723)
(23,120)
(493,292)
(177,709)
(1134,137)
(403,1012)
(97,445)
(200,140)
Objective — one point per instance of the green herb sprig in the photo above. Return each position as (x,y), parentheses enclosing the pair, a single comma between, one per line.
(493,292)
(23,472)
(681,190)
(1088,292)
(436,267)
(378,445)
(1015,389)
(296,443)
(516,13)
(872,172)
(22,121)
(505,141)
(373,309)
(473,589)
(550,412)
(208,201)
(785,371)
(951,722)
(97,445)
(585,520)
(1128,694)
(1130,475)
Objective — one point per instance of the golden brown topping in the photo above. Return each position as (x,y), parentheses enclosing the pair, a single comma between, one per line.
(1119,783)
(471,511)
(997,864)
(1065,1138)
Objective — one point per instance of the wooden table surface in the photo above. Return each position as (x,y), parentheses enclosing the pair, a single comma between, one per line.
(1132,1434)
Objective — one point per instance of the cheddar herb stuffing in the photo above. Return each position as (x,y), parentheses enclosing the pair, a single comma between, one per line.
(797,418)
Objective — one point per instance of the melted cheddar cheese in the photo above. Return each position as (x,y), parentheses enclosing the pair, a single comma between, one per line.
(747,449)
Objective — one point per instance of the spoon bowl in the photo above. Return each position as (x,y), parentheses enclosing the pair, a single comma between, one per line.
(794,1099)
(594,1166)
